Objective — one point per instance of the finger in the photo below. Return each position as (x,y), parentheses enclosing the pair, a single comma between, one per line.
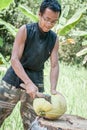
(36,88)
(32,95)
(22,85)
(54,92)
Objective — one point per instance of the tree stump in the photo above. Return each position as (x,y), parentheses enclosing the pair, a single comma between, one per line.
(66,122)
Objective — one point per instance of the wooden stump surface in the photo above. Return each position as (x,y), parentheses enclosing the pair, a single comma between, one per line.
(66,122)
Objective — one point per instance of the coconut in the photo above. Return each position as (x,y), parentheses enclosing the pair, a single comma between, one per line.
(53,110)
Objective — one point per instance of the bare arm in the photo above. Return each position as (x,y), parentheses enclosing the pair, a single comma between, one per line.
(54,73)
(17,52)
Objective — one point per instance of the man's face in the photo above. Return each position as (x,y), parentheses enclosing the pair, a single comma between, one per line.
(48,19)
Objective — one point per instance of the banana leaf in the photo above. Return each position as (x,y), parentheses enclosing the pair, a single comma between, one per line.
(79,33)
(84,43)
(59,1)
(82,52)
(28,13)
(9,27)
(5,3)
(71,22)
(2,59)
(1,42)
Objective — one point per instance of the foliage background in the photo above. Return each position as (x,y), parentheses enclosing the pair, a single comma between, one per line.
(73,79)
(67,53)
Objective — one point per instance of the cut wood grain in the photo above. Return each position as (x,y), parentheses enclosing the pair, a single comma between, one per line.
(66,122)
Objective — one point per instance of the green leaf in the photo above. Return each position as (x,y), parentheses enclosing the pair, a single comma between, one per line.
(28,13)
(84,42)
(82,52)
(5,3)
(60,1)
(65,11)
(79,33)
(72,22)
(84,60)
(9,27)
(1,42)
(64,14)
(2,59)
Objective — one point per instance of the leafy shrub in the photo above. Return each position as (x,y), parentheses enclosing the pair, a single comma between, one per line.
(67,53)
(13,16)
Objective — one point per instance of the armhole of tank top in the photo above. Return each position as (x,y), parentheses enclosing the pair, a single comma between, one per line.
(55,35)
(57,39)
(26,32)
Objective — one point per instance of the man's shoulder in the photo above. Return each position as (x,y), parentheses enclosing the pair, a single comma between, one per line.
(52,33)
(31,25)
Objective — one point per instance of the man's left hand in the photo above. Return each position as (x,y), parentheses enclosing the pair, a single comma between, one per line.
(54,92)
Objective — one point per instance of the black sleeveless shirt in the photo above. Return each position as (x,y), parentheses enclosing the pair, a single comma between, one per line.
(38,47)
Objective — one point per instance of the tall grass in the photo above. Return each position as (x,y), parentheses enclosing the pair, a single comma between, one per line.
(72,84)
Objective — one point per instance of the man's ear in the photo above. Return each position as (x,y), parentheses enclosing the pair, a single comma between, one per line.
(39,14)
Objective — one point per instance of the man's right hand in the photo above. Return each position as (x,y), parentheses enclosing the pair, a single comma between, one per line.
(30,88)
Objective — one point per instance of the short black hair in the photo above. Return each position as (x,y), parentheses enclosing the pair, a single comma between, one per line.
(51,4)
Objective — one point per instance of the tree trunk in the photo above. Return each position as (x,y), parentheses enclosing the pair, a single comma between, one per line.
(66,122)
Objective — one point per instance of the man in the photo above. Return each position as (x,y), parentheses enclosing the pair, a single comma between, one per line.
(33,45)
